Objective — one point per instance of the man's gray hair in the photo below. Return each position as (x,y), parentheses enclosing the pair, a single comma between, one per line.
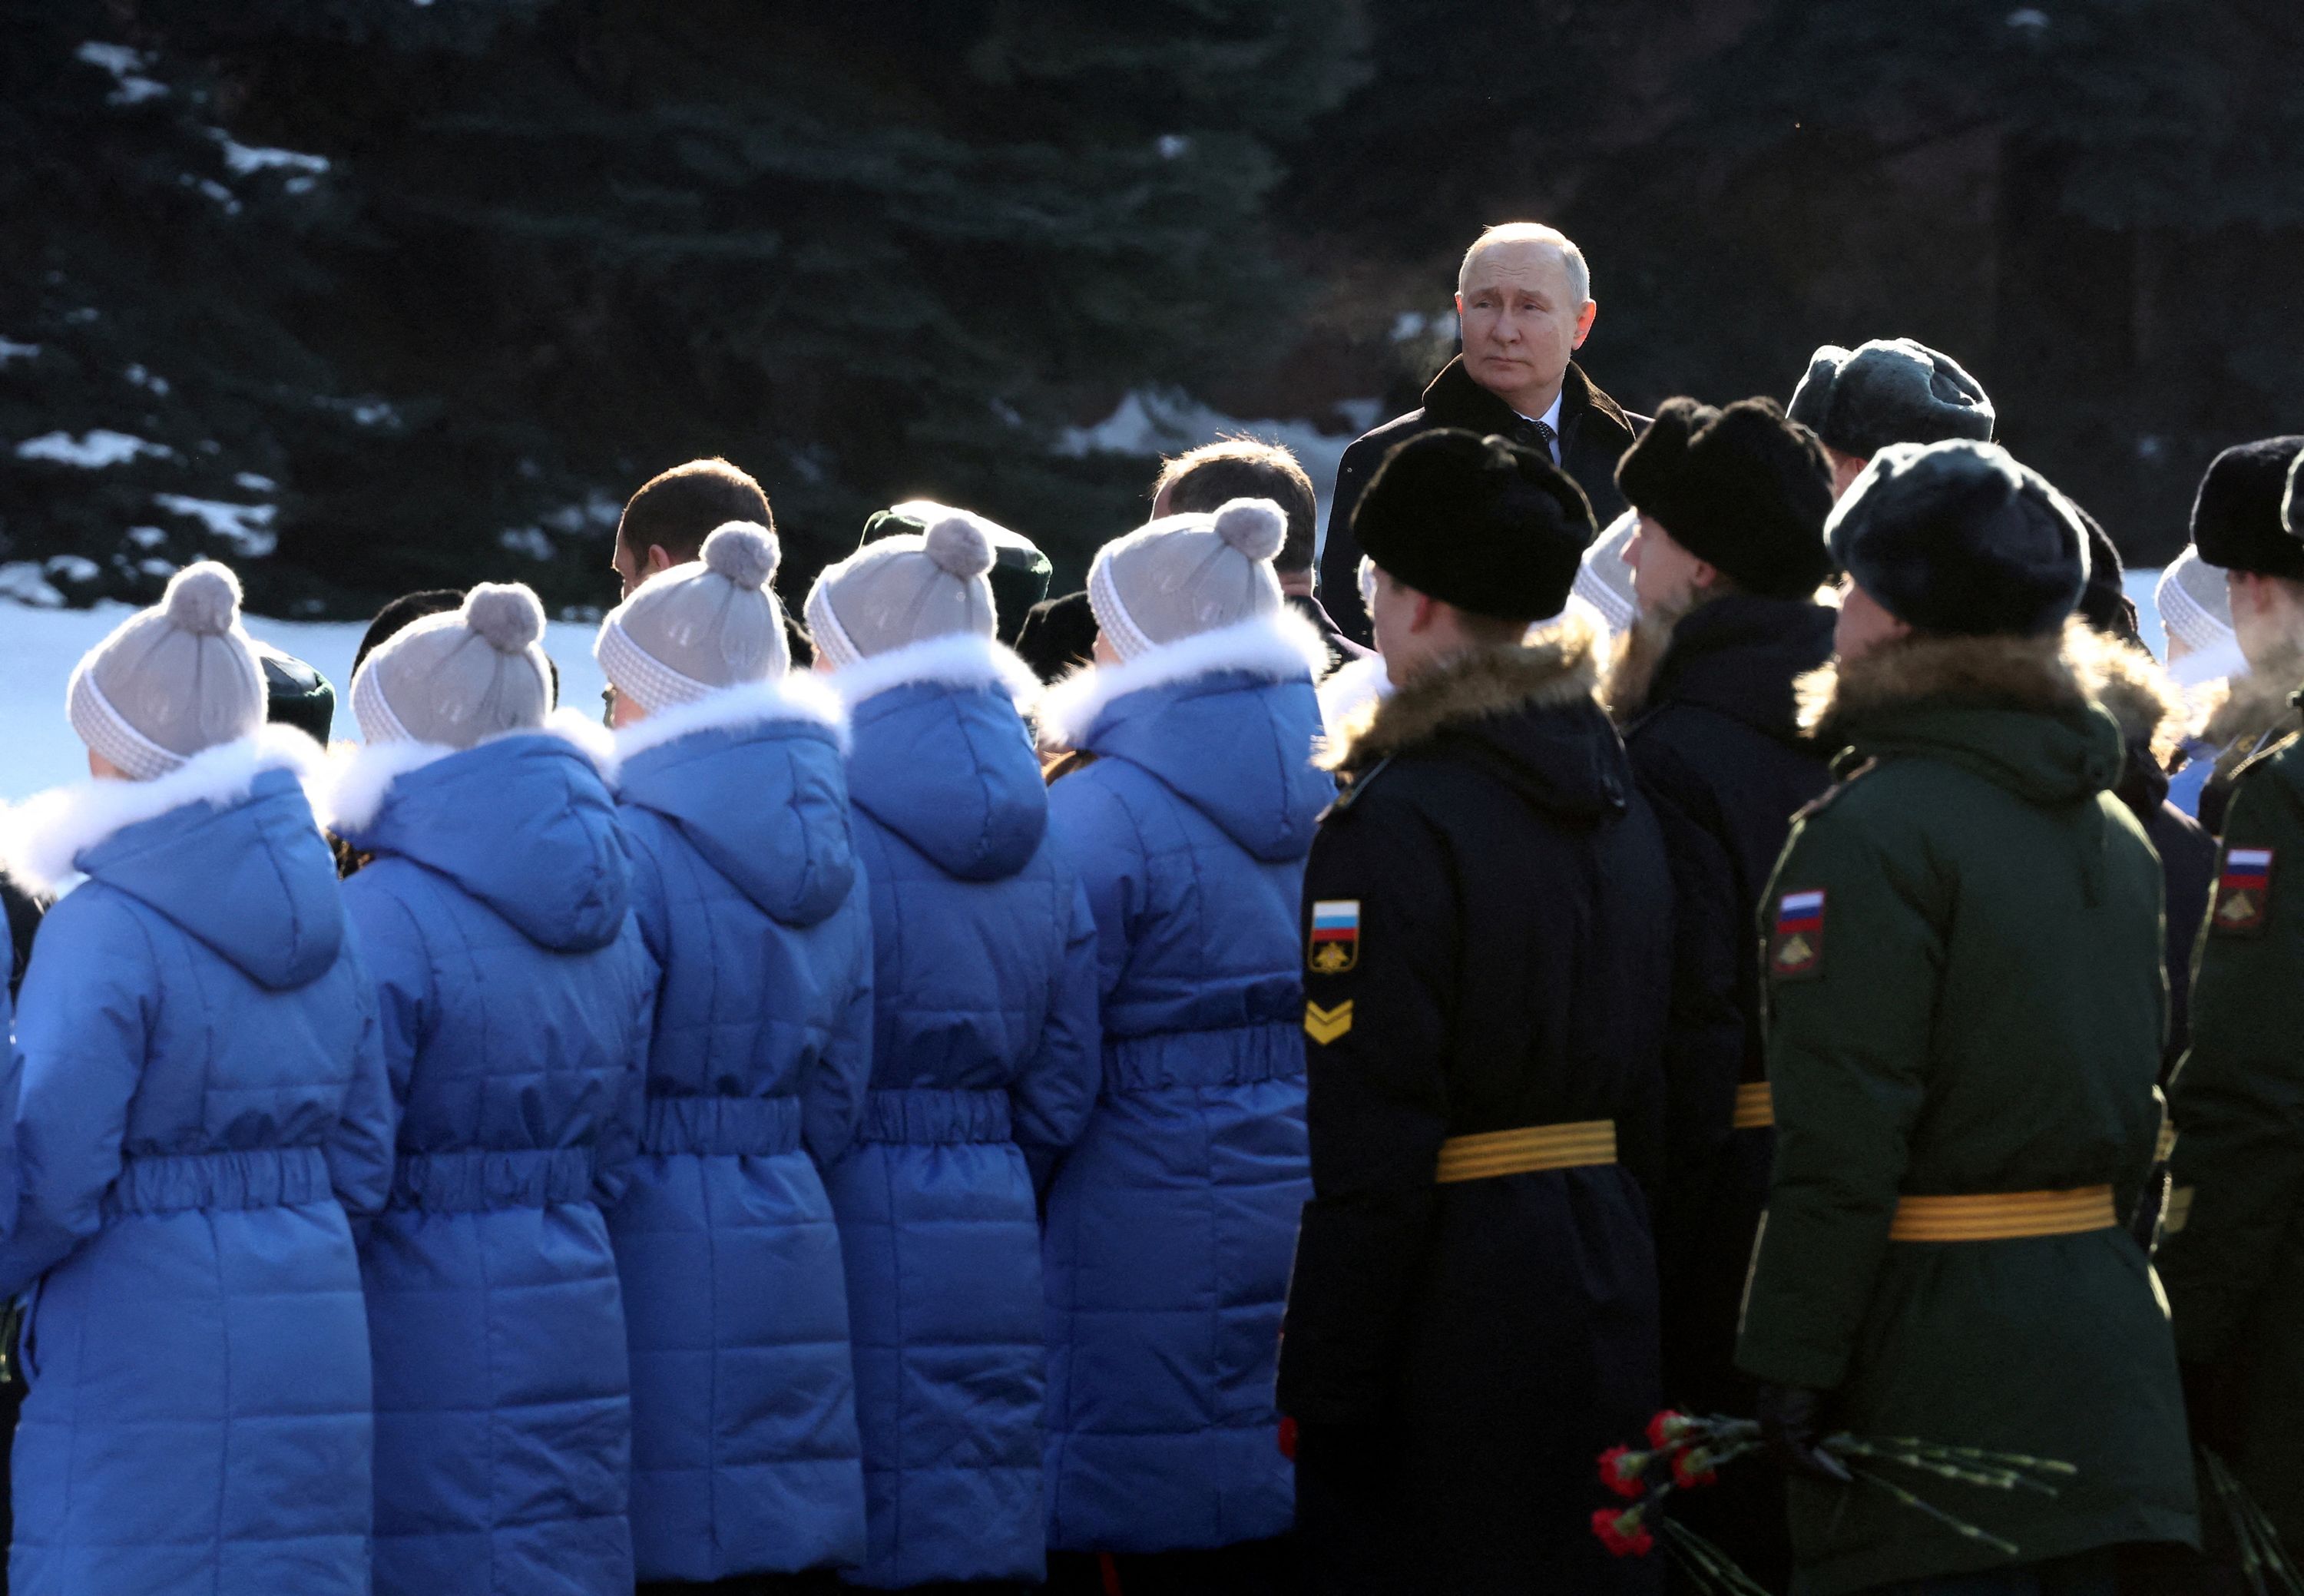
(1580,276)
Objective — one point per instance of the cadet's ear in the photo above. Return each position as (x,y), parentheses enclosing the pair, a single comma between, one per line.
(1426,614)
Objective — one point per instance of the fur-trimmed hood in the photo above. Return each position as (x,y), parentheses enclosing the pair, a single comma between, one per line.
(2019,710)
(523,822)
(1227,720)
(224,846)
(2133,688)
(752,778)
(962,660)
(1526,712)
(943,756)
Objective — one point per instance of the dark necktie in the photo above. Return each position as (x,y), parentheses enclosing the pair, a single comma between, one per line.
(1535,434)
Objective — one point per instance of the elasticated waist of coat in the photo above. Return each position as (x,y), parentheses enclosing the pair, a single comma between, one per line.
(1236,1055)
(471,1182)
(721,1126)
(930,1115)
(251,1177)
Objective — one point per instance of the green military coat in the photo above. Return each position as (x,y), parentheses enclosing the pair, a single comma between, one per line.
(2234,1255)
(1965,996)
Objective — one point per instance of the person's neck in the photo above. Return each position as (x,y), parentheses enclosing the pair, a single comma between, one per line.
(1295,585)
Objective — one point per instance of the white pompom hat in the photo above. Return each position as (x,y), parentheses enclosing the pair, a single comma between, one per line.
(459,678)
(711,624)
(170,681)
(1182,575)
(905,589)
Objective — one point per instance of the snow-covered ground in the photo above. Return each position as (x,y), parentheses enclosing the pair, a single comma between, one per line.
(39,646)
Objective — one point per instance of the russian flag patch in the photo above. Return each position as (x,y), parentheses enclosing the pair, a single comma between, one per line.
(2243,893)
(1336,945)
(1796,948)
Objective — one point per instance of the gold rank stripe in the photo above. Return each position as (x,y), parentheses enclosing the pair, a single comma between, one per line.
(1756,1106)
(2002,1216)
(1326,1025)
(2178,1213)
(1530,1147)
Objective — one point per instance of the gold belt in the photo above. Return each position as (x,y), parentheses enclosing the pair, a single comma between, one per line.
(2002,1216)
(1756,1108)
(1529,1148)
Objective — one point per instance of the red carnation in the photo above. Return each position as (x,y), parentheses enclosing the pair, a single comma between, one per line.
(1622,1532)
(1692,1468)
(1288,1437)
(1669,1428)
(1621,1469)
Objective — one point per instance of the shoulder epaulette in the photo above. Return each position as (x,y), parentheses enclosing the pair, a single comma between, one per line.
(2270,751)
(1354,787)
(1845,778)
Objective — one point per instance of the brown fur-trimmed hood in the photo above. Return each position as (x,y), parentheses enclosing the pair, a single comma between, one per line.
(2000,672)
(1560,667)
(2132,687)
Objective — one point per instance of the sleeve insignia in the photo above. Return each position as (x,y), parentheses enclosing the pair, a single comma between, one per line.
(1796,945)
(1335,937)
(1326,1025)
(2243,893)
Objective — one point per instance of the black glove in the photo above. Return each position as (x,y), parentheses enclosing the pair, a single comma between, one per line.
(1788,1423)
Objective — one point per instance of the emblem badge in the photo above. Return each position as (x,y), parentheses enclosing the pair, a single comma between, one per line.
(1326,1025)
(1335,937)
(1796,951)
(2243,893)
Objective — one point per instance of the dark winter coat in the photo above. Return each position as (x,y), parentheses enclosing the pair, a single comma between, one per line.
(1964,999)
(1595,431)
(1169,1225)
(2232,1253)
(985,1055)
(1458,1354)
(203,1098)
(1718,751)
(1341,649)
(746,892)
(515,997)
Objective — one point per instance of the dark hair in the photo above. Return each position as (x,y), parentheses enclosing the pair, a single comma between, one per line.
(1211,476)
(402,613)
(676,509)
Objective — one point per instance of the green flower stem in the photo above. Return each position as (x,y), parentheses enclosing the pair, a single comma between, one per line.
(1958,1526)
(1713,1569)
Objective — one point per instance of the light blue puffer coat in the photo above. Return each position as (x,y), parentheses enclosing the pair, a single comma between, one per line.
(985,1052)
(514,1000)
(202,1088)
(745,1456)
(1171,1225)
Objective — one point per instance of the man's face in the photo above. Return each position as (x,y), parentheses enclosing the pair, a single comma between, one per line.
(1520,322)
(2267,619)
(1864,626)
(633,568)
(1666,578)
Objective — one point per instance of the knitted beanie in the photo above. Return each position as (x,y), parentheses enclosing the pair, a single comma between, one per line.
(1959,539)
(459,678)
(172,680)
(1182,575)
(1019,573)
(1743,489)
(1478,523)
(697,628)
(1889,391)
(2237,517)
(2195,603)
(905,589)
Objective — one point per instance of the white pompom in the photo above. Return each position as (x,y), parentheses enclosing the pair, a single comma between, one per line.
(1254,526)
(508,616)
(744,552)
(958,545)
(203,599)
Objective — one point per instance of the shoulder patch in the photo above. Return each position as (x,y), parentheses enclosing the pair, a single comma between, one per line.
(1831,795)
(2243,893)
(1326,1025)
(1335,945)
(1796,940)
